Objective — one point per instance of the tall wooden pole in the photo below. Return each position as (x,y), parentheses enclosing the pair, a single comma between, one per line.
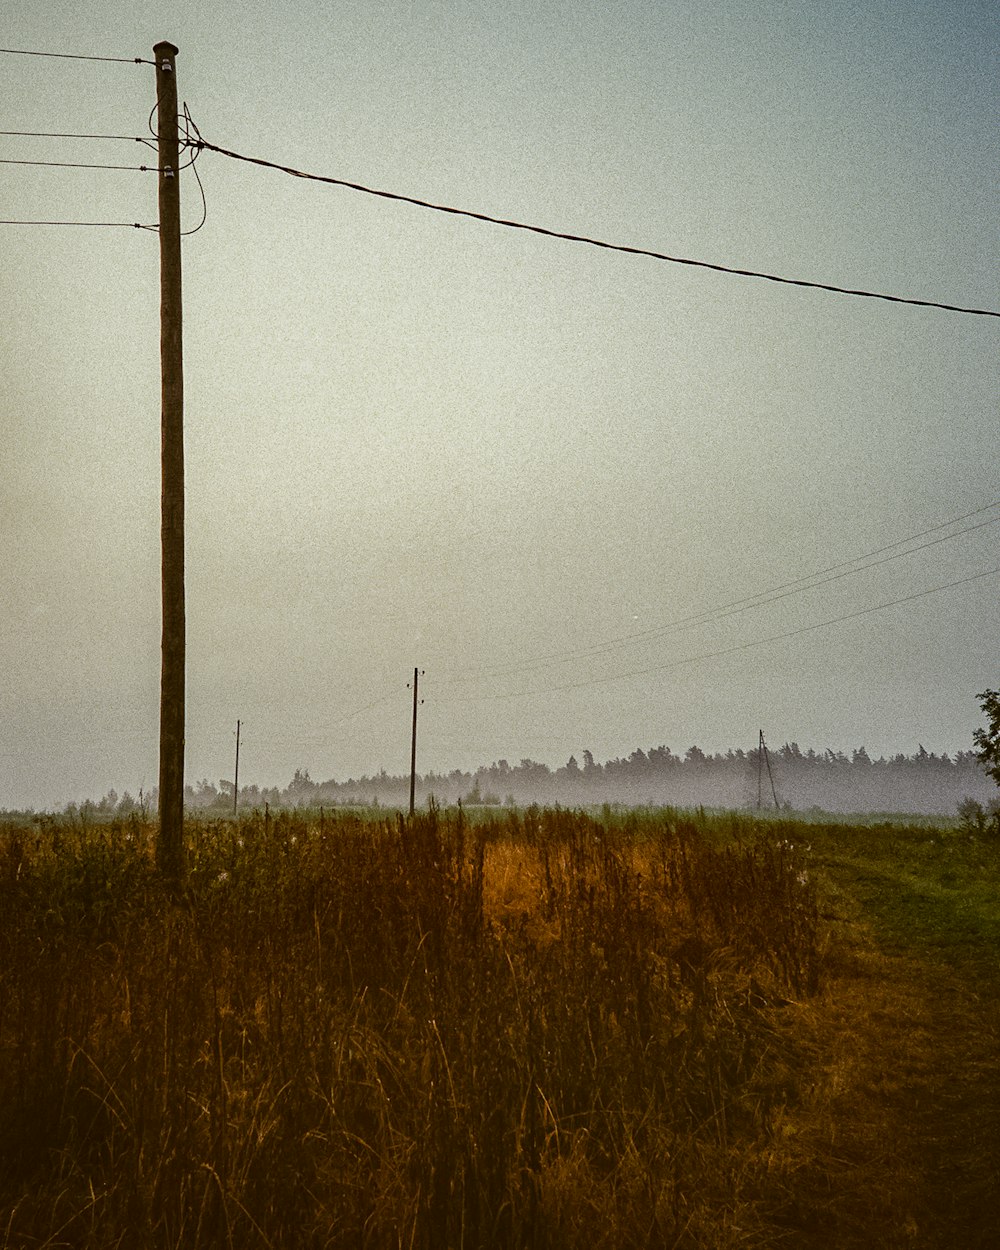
(170,849)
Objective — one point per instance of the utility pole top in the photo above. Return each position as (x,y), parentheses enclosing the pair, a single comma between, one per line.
(165,48)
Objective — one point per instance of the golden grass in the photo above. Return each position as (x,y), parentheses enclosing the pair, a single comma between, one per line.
(546,1030)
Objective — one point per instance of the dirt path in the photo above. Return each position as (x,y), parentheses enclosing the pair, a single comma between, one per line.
(899,1135)
(936,1075)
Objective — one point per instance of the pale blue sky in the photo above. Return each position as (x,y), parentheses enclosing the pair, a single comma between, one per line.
(413,439)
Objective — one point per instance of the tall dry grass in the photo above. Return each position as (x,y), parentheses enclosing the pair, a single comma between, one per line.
(541,1030)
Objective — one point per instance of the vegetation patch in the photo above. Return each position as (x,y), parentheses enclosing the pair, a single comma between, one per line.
(538,1028)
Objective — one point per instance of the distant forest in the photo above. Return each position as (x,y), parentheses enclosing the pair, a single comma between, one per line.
(829,780)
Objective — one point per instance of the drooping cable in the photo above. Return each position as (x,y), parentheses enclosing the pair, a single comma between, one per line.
(76,56)
(54,134)
(144,169)
(812,581)
(131,225)
(594,242)
(724,651)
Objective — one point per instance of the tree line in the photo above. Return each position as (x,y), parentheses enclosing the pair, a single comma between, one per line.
(830,780)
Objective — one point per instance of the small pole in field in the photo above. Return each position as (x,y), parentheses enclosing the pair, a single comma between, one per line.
(413,743)
(770,775)
(236,778)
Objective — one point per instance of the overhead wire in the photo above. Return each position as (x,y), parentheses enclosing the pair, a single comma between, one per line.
(390,693)
(784,590)
(190,145)
(197,144)
(608,679)
(131,225)
(76,56)
(590,240)
(812,581)
(56,134)
(724,651)
(736,648)
(36,134)
(322,737)
(187,145)
(145,169)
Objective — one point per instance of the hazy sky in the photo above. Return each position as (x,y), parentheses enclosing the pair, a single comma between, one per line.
(415,439)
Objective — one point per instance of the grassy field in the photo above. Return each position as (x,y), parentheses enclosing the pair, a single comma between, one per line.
(904,1118)
(500,1029)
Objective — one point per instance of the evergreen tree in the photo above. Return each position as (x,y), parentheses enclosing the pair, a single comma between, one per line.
(988,740)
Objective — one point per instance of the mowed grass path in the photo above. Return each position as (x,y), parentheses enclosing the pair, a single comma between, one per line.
(907,1039)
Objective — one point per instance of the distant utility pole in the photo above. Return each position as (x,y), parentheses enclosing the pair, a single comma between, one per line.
(764,758)
(413,744)
(170,848)
(236,776)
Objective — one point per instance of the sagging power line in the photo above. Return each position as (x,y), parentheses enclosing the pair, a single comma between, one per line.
(724,651)
(77,56)
(812,581)
(127,225)
(185,147)
(144,169)
(324,738)
(197,145)
(589,240)
(58,134)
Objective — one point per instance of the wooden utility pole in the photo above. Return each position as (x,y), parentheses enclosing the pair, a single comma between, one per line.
(413,745)
(236,776)
(762,755)
(170,848)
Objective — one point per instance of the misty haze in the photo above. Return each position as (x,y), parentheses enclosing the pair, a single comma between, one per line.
(415,417)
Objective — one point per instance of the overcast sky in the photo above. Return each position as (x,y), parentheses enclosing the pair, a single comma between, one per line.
(519,463)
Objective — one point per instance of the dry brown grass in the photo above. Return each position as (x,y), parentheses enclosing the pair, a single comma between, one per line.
(546,1030)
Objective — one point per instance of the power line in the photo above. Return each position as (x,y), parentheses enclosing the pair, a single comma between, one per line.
(384,698)
(733,650)
(75,56)
(322,737)
(765,599)
(145,169)
(900,542)
(744,605)
(186,146)
(131,225)
(762,599)
(590,241)
(51,134)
